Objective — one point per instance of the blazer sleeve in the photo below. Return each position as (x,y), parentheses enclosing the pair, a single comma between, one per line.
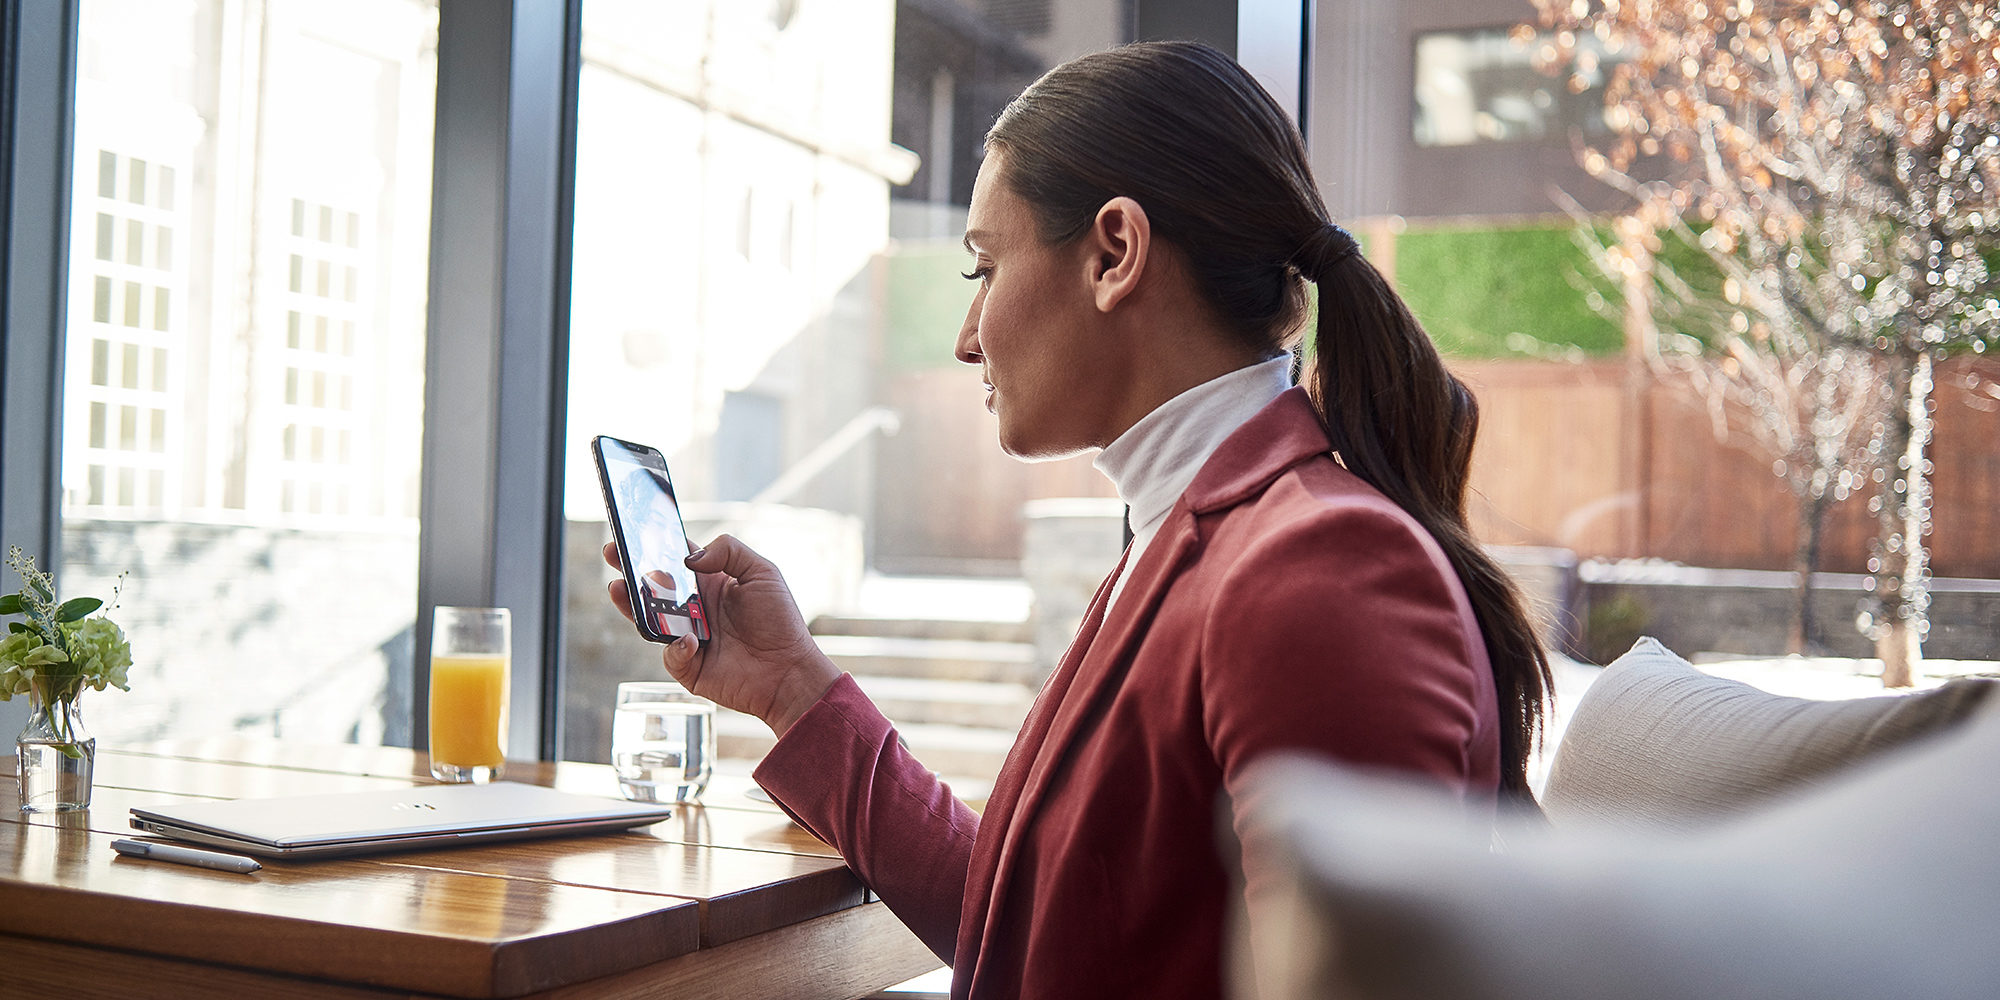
(1344,633)
(842,774)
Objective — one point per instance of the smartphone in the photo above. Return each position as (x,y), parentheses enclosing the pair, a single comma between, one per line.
(652,541)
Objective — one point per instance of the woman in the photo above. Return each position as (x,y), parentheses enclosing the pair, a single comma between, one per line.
(1301,576)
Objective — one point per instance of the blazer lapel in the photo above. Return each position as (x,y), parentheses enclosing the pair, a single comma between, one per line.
(1099,665)
(1000,805)
(1034,731)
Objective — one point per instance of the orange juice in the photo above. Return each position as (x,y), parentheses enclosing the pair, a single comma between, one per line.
(468,709)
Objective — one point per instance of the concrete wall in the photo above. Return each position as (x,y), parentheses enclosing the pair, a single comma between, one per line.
(262,631)
(600,648)
(1697,611)
(1070,546)
(1547,578)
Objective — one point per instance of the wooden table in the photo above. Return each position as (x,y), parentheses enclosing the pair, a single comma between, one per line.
(726,899)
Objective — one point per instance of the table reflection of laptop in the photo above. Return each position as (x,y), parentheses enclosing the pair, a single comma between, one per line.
(659,596)
(391,819)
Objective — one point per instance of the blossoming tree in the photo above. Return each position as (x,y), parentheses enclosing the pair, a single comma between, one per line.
(1843,160)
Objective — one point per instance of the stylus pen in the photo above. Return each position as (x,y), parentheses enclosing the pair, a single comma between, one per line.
(187,856)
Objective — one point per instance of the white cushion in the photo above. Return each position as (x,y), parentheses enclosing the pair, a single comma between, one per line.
(1657,744)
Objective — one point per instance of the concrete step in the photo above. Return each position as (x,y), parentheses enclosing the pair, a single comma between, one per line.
(935,659)
(949,660)
(1001,705)
(948,598)
(968,757)
(924,628)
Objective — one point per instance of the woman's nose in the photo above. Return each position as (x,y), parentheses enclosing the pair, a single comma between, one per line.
(966,348)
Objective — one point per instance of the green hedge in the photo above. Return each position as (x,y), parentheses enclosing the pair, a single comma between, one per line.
(1472,288)
(925,296)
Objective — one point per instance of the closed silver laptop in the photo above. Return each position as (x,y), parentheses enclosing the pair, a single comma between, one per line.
(396,819)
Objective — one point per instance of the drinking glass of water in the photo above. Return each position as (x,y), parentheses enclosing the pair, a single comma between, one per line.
(662,742)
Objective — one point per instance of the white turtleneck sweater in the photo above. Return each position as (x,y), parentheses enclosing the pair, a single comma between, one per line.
(1154,461)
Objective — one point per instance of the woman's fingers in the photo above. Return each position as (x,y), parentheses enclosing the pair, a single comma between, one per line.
(679,657)
(619,598)
(732,558)
(611,555)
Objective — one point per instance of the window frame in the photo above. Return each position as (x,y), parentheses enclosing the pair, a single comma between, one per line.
(37,126)
(498,342)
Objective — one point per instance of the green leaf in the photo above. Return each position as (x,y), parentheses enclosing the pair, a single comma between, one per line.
(70,750)
(10,604)
(18,627)
(76,608)
(41,588)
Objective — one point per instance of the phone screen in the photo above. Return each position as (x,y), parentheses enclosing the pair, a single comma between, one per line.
(652,542)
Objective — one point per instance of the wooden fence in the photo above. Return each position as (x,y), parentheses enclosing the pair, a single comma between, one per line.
(1602,459)
(1597,457)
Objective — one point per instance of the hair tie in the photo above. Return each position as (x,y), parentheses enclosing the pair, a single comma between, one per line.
(1328,247)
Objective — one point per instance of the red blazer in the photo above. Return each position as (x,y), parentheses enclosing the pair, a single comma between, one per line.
(1284,605)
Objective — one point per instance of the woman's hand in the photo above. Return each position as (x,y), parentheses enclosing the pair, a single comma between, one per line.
(759,657)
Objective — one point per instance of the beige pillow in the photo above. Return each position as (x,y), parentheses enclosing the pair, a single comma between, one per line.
(1881,883)
(1656,744)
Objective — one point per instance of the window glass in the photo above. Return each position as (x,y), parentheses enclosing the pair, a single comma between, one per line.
(246,176)
(770,201)
(1482,86)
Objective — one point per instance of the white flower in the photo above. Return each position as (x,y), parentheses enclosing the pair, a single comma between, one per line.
(100,652)
(23,655)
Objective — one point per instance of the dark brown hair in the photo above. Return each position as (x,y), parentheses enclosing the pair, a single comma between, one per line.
(1223,175)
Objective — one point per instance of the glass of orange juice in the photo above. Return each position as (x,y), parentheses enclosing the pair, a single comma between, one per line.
(470,649)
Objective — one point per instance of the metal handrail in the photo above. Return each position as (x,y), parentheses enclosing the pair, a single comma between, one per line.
(829,451)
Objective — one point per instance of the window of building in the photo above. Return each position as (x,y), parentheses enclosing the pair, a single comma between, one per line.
(326,314)
(1031,18)
(131,398)
(244,359)
(1482,86)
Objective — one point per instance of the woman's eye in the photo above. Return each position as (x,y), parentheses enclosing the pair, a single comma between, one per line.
(978,274)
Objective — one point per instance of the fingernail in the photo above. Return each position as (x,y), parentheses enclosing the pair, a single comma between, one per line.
(697,554)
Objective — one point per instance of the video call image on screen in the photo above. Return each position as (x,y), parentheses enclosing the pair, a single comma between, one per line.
(656,543)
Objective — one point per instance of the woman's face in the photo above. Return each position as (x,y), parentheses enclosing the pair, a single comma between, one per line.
(1029,328)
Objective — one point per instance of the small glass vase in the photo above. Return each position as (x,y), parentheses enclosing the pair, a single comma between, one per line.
(56,753)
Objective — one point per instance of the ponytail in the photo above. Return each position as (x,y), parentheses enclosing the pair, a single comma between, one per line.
(1404,424)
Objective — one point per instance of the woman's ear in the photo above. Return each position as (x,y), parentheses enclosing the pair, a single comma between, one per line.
(1120,241)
